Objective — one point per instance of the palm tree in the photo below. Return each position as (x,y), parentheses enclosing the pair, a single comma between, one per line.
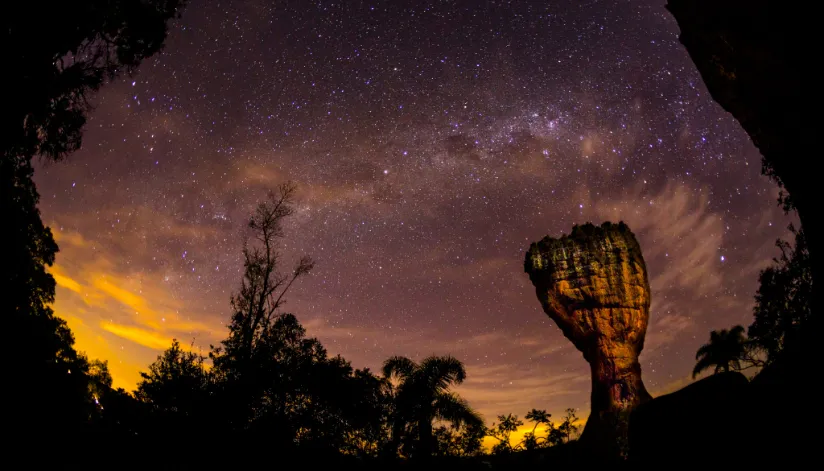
(724,351)
(422,395)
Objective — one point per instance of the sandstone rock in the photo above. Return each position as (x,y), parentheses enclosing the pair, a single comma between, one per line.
(593,284)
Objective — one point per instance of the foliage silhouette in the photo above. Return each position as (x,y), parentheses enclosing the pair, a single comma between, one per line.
(502,431)
(175,389)
(268,380)
(724,351)
(567,430)
(552,435)
(100,379)
(263,343)
(421,396)
(267,384)
(55,57)
(783,300)
(50,360)
(53,74)
(52,387)
(537,417)
(464,441)
(262,291)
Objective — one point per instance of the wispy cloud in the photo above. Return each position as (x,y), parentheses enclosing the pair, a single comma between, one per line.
(681,238)
(675,225)
(147,338)
(116,313)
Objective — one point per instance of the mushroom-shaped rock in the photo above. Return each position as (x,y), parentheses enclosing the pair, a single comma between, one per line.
(593,284)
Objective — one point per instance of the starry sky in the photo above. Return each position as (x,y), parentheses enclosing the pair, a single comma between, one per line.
(431,142)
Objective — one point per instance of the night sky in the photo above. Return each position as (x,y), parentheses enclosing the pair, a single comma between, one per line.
(431,142)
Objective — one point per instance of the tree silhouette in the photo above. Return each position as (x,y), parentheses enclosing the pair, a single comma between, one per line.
(270,378)
(53,74)
(176,390)
(783,300)
(294,395)
(367,401)
(568,429)
(100,379)
(49,360)
(502,431)
(263,286)
(422,395)
(50,376)
(724,351)
(531,439)
(553,435)
(261,339)
(269,381)
(54,57)
(463,441)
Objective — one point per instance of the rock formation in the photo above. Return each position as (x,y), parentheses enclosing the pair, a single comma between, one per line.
(757,58)
(593,284)
(691,423)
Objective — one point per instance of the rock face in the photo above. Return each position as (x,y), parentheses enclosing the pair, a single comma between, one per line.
(593,284)
(756,57)
(705,422)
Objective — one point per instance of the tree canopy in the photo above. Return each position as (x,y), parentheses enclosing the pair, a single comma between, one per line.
(783,300)
(54,58)
(723,352)
(53,74)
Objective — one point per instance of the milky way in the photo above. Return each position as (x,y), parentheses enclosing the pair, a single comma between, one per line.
(431,142)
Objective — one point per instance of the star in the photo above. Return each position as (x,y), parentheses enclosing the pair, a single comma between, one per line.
(494,124)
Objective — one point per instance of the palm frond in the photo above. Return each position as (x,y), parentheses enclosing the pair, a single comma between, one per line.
(441,372)
(451,408)
(725,351)
(399,366)
(703,363)
(703,350)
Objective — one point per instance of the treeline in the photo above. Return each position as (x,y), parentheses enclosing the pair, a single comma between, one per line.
(268,382)
(544,433)
(266,386)
(55,58)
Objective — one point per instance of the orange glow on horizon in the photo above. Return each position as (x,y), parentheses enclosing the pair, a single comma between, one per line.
(125,318)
